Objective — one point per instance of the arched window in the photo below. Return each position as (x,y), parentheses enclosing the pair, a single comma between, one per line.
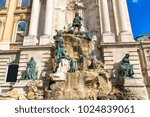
(21,31)
(24,3)
(12,73)
(2,3)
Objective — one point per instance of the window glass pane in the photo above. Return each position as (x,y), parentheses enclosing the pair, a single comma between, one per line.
(25,3)
(21,31)
(2,3)
(22,26)
(12,73)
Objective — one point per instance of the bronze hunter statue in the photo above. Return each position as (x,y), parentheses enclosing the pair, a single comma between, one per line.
(77,22)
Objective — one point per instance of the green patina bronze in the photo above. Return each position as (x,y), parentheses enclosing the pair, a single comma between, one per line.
(77,22)
(60,50)
(30,70)
(73,66)
(93,62)
(126,69)
(80,61)
(87,34)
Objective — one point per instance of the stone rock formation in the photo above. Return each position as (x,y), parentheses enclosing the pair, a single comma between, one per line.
(83,84)
(13,95)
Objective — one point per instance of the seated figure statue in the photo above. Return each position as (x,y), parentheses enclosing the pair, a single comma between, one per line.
(30,70)
(77,22)
(126,69)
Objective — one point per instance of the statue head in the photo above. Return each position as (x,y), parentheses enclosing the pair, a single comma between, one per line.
(127,55)
(32,58)
(58,33)
(76,14)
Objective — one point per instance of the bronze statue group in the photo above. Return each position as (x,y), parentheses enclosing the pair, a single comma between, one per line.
(125,68)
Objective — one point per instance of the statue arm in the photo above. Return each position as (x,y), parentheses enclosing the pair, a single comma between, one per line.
(81,18)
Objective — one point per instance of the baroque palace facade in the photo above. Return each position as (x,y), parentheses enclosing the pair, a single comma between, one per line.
(27,28)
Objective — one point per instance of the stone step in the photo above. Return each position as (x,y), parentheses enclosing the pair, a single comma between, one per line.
(108,55)
(3,67)
(2,70)
(22,68)
(108,58)
(133,53)
(1,80)
(135,62)
(2,73)
(22,64)
(46,56)
(23,57)
(3,63)
(23,61)
(138,75)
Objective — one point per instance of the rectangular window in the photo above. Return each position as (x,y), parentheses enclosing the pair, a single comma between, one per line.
(12,73)
(2,3)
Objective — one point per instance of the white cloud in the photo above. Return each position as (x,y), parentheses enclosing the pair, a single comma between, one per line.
(135,1)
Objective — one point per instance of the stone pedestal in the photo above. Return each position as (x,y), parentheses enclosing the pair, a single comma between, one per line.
(126,37)
(4,45)
(30,40)
(108,38)
(62,70)
(21,86)
(131,82)
(134,84)
(46,40)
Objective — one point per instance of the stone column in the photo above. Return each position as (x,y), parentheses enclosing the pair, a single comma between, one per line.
(31,39)
(105,16)
(108,36)
(33,29)
(47,37)
(48,17)
(122,16)
(124,31)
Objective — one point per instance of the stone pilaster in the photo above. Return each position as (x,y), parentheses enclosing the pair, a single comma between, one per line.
(31,39)
(47,38)
(108,36)
(124,31)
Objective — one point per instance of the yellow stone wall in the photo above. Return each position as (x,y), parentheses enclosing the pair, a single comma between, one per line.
(9,17)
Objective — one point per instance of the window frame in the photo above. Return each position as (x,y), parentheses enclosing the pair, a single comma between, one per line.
(6,73)
(4,5)
(16,31)
(20,3)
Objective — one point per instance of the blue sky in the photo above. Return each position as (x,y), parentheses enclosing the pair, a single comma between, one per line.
(139,11)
